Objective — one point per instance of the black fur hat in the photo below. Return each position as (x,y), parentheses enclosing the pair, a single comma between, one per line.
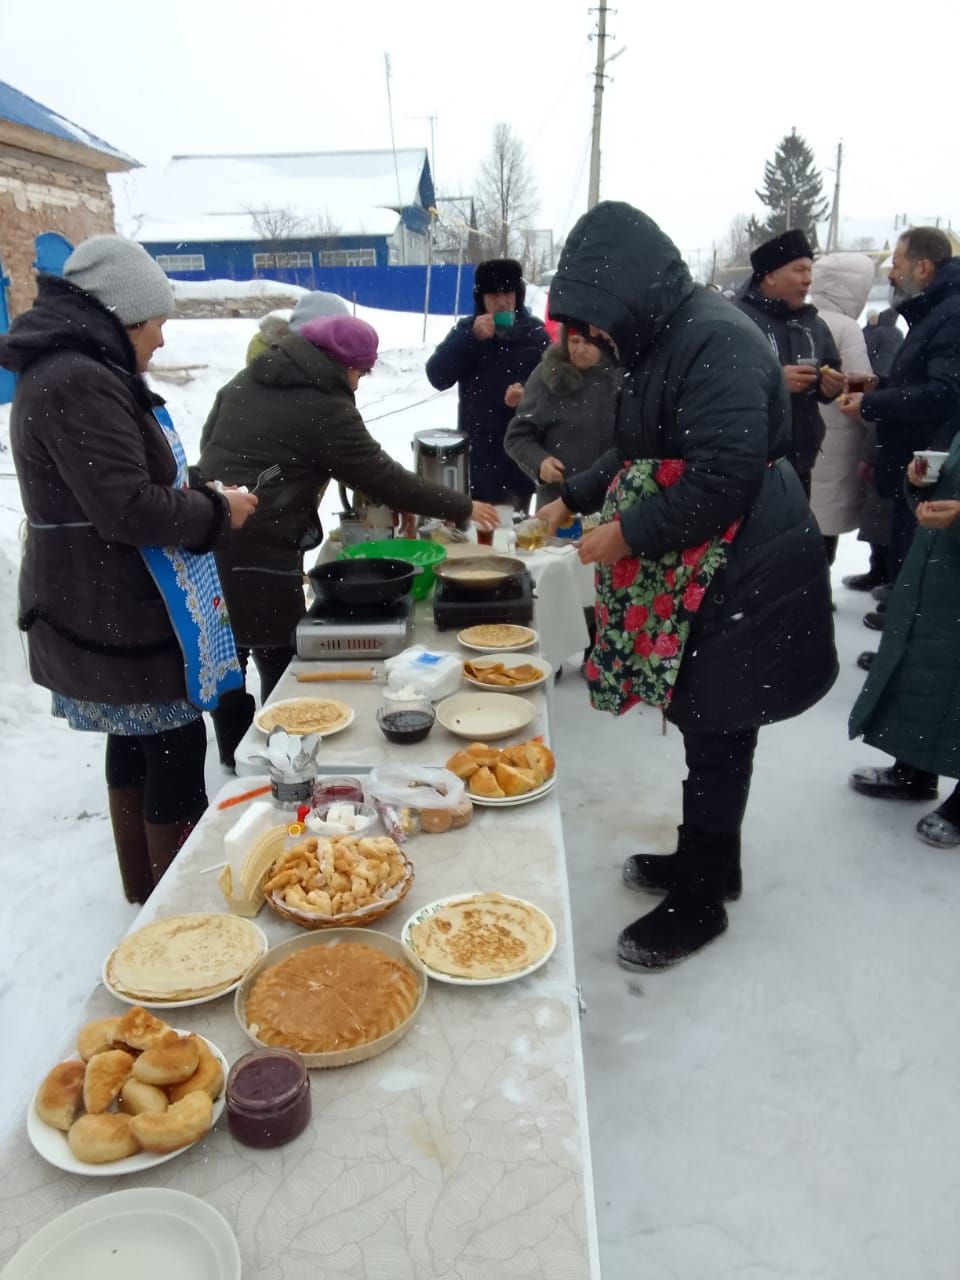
(496,275)
(779,251)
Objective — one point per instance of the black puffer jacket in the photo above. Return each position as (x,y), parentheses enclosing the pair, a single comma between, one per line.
(701,384)
(883,341)
(293,406)
(95,474)
(919,406)
(483,371)
(794,336)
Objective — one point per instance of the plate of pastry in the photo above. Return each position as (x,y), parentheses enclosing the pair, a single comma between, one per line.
(480,939)
(491,636)
(336,997)
(183,960)
(505,776)
(140,1093)
(503,671)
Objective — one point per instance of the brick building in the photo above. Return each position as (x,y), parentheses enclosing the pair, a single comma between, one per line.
(53,193)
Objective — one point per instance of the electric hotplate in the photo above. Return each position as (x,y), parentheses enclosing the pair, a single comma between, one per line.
(510,602)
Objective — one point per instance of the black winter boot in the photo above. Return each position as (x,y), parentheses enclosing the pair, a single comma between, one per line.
(657,872)
(692,913)
(899,782)
(232,718)
(130,839)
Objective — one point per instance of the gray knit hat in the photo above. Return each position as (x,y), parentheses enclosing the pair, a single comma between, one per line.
(310,306)
(121,275)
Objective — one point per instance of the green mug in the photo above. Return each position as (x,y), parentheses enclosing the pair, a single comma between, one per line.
(503,320)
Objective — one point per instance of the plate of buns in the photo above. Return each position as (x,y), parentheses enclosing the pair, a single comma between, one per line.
(139,1093)
(505,776)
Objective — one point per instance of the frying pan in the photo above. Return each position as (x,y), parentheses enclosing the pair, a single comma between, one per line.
(479,573)
(361,581)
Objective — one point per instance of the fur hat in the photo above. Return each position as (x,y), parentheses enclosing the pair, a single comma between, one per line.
(498,275)
(122,276)
(351,342)
(779,251)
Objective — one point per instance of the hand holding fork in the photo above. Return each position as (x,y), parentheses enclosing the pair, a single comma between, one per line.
(242,501)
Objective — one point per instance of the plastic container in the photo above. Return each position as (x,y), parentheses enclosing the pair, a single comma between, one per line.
(432,671)
(268,1097)
(414,550)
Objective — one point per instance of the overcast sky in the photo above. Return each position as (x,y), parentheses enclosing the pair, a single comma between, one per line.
(699,98)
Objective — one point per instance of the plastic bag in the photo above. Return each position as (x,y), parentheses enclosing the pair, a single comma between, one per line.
(415,787)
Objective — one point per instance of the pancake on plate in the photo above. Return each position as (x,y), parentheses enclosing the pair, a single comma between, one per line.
(184,957)
(482,935)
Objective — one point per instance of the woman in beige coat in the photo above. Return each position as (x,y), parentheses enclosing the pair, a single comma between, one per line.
(841,283)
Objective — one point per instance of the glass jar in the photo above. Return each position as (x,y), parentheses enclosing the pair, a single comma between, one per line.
(268,1097)
(531,534)
(337,787)
(405,715)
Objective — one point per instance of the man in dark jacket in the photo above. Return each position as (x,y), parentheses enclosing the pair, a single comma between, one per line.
(701,385)
(919,407)
(490,355)
(775,298)
(883,341)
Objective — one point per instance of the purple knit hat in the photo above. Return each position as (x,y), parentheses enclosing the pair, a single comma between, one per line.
(351,342)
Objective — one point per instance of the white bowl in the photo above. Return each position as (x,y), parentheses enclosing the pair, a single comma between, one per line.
(482,717)
(366,817)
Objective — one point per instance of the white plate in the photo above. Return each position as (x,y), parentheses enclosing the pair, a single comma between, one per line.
(509,802)
(182,1004)
(498,648)
(152,1233)
(511,660)
(53,1146)
(433,907)
(481,717)
(291,702)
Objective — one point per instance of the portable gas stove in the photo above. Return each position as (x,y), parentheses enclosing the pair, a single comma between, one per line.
(510,602)
(372,631)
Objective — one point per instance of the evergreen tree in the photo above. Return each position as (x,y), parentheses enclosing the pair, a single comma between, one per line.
(792,191)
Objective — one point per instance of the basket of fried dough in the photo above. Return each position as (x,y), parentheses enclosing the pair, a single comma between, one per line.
(322,883)
(499,772)
(138,1085)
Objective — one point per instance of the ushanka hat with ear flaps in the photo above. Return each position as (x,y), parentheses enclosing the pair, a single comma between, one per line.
(122,277)
(498,275)
(777,252)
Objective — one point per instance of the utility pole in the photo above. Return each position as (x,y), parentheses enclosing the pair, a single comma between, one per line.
(593,191)
(833,235)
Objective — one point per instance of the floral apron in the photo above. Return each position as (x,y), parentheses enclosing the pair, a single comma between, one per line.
(644,607)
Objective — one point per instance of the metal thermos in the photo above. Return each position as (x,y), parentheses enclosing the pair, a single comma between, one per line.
(443,457)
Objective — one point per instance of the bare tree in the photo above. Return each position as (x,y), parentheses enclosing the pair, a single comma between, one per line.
(737,244)
(507,197)
(864,243)
(275,223)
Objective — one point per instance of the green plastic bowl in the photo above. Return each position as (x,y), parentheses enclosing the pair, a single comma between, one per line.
(414,550)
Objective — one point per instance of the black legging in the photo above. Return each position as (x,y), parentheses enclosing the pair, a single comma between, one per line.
(715,793)
(169,767)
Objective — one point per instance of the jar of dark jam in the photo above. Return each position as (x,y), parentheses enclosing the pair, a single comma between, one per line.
(268,1097)
(337,787)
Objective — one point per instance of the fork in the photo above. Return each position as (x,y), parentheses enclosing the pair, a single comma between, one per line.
(271,473)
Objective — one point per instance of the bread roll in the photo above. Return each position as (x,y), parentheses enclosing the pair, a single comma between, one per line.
(173,1060)
(461,814)
(515,782)
(208,1076)
(483,783)
(60,1097)
(182,1123)
(436,821)
(105,1076)
(137,1097)
(102,1138)
(97,1036)
(140,1029)
(463,764)
(483,752)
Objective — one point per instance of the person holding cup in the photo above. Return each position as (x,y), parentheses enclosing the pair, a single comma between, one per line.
(910,704)
(489,356)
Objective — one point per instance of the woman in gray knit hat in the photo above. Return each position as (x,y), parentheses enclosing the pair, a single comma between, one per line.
(121,606)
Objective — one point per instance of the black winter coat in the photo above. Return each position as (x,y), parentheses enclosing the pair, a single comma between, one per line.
(919,407)
(794,336)
(883,341)
(701,384)
(483,371)
(293,406)
(95,474)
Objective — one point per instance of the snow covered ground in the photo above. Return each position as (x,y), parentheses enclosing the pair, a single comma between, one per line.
(781,1107)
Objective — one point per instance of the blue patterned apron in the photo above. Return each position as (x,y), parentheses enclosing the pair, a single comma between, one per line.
(191,590)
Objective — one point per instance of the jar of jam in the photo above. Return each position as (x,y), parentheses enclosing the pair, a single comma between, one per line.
(337,787)
(268,1097)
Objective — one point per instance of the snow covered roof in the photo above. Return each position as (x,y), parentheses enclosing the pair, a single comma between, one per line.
(22,113)
(207,198)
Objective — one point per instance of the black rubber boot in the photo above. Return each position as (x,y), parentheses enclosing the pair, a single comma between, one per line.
(231,720)
(692,914)
(899,782)
(657,872)
(164,842)
(130,839)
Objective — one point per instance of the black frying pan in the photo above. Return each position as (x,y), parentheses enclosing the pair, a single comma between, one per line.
(362,581)
(479,573)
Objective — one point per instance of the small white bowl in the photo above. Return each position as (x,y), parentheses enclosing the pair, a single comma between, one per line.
(481,717)
(316,823)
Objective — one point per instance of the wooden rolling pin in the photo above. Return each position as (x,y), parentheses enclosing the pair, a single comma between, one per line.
(350,673)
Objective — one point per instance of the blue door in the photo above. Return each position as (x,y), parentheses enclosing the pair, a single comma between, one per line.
(52,252)
(6,377)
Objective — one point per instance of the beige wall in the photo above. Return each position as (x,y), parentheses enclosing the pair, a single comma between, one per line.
(40,193)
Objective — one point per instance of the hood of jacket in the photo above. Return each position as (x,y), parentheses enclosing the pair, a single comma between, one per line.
(944,283)
(842,282)
(620,272)
(295,362)
(561,376)
(65,318)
